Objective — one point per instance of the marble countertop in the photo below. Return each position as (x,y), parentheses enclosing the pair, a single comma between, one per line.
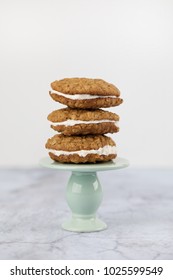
(137,207)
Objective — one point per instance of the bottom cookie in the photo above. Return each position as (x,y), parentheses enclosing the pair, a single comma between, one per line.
(92,158)
(81,149)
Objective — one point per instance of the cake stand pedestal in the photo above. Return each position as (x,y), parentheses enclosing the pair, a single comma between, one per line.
(84,192)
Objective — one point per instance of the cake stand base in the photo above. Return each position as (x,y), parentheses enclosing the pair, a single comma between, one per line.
(84,225)
(84,195)
(84,192)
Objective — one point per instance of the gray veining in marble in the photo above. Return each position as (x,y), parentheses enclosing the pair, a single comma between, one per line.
(137,206)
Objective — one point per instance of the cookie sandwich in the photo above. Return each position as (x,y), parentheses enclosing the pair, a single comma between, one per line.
(82,122)
(85,93)
(81,149)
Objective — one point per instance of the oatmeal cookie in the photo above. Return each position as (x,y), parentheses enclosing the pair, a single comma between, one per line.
(81,149)
(85,93)
(82,122)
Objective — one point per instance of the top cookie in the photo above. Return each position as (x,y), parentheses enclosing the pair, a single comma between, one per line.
(85,86)
(84,93)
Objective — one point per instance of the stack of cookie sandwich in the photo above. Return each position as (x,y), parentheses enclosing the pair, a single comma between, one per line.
(82,125)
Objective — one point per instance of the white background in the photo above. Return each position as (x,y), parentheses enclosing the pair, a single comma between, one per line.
(128,43)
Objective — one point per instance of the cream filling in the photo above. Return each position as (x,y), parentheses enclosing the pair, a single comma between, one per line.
(74,122)
(106,150)
(82,96)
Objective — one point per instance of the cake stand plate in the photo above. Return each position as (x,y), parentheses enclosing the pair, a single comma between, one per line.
(84,192)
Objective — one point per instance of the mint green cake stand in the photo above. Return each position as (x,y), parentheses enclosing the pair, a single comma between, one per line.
(84,192)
